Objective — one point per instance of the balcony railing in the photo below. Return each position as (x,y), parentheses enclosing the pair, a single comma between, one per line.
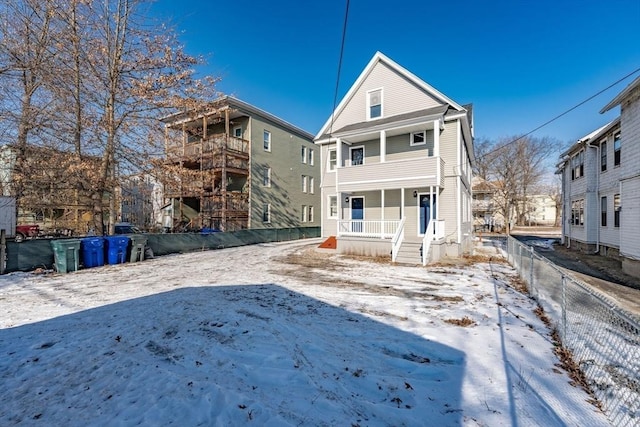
(213,144)
(417,172)
(370,229)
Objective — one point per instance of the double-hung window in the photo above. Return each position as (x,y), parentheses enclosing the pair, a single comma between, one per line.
(305,182)
(333,160)
(617,147)
(333,206)
(266,212)
(374,104)
(616,210)
(266,177)
(304,154)
(267,140)
(311,156)
(603,211)
(603,156)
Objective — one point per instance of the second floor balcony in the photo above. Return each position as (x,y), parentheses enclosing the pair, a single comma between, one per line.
(416,172)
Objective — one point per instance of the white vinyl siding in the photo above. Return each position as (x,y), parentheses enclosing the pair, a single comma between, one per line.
(400,96)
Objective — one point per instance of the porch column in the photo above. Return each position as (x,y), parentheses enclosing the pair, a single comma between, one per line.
(402,203)
(338,153)
(436,137)
(382,213)
(383,146)
(431,213)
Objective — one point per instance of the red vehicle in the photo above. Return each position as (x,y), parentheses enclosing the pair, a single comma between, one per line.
(26,231)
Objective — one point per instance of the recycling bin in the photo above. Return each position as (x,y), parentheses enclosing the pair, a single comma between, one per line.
(116,249)
(138,242)
(66,255)
(92,251)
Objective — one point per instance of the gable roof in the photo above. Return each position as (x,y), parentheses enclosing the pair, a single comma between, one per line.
(621,96)
(377,58)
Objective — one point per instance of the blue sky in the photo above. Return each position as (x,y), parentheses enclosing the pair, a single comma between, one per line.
(519,62)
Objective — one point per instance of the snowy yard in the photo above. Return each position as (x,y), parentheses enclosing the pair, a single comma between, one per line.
(278,334)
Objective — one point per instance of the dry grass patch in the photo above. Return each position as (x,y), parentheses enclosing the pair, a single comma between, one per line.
(464,322)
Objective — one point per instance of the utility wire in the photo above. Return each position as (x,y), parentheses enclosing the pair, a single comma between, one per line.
(335,94)
(560,115)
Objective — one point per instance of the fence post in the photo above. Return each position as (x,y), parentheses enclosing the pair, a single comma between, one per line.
(564,310)
(531,269)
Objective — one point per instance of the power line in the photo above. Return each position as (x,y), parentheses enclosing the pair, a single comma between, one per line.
(335,94)
(561,114)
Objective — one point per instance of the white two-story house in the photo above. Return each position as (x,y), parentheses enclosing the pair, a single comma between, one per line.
(396,168)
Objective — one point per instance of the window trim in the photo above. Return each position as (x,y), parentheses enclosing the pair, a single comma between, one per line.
(305,183)
(266,213)
(311,157)
(603,156)
(351,150)
(412,142)
(266,177)
(617,157)
(369,93)
(311,185)
(329,205)
(303,155)
(603,211)
(617,207)
(304,214)
(335,163)
(310,215)
(266,143)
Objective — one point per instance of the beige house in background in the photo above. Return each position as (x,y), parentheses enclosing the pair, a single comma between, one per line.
(396,158)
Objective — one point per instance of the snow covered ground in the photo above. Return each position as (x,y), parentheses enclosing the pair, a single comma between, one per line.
(279,334)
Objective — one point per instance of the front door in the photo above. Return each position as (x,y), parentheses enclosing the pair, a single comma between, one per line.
(425,211)
(357,214)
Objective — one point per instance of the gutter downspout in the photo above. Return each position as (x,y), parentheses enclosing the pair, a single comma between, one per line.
(568,181)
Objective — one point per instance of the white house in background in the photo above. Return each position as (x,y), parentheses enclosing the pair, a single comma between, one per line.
(396,157)
(601,186)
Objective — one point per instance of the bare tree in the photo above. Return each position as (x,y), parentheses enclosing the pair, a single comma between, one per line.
(516,166)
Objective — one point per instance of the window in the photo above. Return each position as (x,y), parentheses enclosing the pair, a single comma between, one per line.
(357,155)
(266,177)
(603,212)
(266,213)
(374,103)
(617,145)
(577,212)
(267,140)
(237,132)
(304,183)
(333,206)
(333,160)
(616,210)
(311,185)
(418,138)
(603,156)
(311,156)
(304,154)
(310,216)
(577,165)
(304,213)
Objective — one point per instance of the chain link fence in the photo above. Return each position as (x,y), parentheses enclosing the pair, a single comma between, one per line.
(603,339)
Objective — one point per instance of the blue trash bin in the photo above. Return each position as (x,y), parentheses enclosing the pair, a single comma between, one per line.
(116,249)
(92,251)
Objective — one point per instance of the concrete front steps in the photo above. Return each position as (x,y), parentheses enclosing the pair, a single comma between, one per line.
(409,253)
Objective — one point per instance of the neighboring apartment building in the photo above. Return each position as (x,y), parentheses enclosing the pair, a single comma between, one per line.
(238,167)
(601,186)
(141,201)
(53,188)
(485,207)
(396,163)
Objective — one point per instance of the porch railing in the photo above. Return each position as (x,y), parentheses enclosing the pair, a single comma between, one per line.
(396,242)
(372,229)
(435,231)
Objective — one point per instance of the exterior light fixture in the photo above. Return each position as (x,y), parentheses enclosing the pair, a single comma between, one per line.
(415,193)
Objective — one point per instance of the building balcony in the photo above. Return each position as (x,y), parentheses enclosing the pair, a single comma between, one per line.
(417,172)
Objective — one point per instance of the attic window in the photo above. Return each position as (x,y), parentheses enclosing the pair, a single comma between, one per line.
(374,103)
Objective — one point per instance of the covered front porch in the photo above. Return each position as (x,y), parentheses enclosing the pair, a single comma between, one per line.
(380,222)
